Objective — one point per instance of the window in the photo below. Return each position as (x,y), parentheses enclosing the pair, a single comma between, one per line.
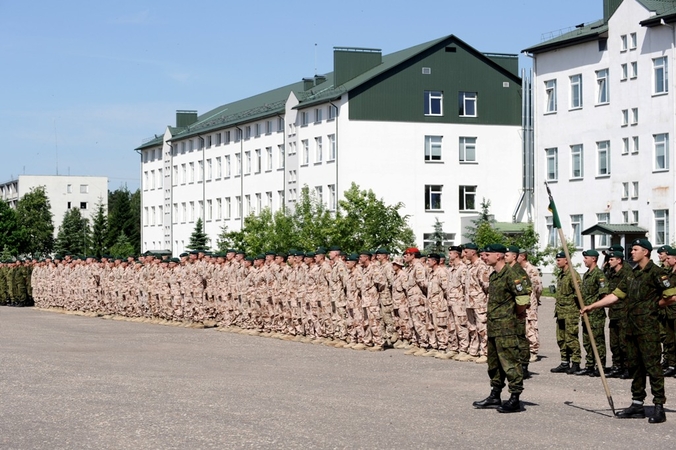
(184,174)
(603,158)
(550,90)
(332,112)
(280,124)
(467,104)
(318,149)
(84,189)
(332,197)
(304,119)
(192,212)
(238,211)
(146,180)
(432,239)
(183,147)
(257,130)
(625,216)
(175,213)
(184,210)
(83,205)
(552,164)
(219,167)
(632,41)
(280,152)
(200,171)
(661,75)
(219,139)
(238,163)
(247,132)
(602,95)
(280,198)
(576,91)
(661,226)
(174,180)
(306,152)
(634,116)
(625,146)
(318,115)
(219,209)
(434,103)
(319,191)
(210,210)
(146,214)
(576,229)
(467,200)
(625,117)
(259,204)
(268,126)
(661,151)
(467,148)
(624,72)
(191,145)
(623,43)
(634,149)
(634,69)
(603,239)
(432,148)
(152,180)
(247,158)
(268,198)
(227,166)
(634,217)
(227,137)
(552,234)
(625,190)
(192,172)
(332,147)
(634,189)
(576,161)
(258,163)
(268,152)
(433,197)
(208,141)
(228,208)
(69,188)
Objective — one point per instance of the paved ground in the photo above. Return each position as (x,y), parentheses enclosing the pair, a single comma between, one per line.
(79,382)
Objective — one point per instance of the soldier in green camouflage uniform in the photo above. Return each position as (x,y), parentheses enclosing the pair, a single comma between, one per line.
(594,287)
(617,313)
(669,319)
(566,312)
(4,287)
(508,298)
(642,290)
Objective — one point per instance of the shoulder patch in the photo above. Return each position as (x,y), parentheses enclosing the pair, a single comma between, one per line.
(517,284)
(665,281)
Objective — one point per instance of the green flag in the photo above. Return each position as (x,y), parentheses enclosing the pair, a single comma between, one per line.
(552,208)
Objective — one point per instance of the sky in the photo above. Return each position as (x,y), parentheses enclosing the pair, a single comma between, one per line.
(84,83)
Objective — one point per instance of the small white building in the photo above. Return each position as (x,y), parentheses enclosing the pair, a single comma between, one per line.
(604,118)
(436,127)
(63,191)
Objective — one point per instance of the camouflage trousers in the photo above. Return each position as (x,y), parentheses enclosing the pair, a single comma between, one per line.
(532,331)
(338,319)
(459,317)
(618,342)
(404,323)
(476,320)
(355,323)
(567,337)
(668,339)
(387,312)
(504,363)
(597,320)
(643,357)
(375,327)
(419,319)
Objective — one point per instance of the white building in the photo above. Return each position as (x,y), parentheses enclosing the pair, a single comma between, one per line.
(436,126)
(604,119)
(63,191)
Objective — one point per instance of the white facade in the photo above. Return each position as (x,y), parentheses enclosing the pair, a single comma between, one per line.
(222,179)
(63,191)
(604,122)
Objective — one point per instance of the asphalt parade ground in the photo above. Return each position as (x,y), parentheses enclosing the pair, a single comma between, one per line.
(74,382)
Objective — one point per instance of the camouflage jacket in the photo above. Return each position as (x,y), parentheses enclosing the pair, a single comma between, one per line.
(506,290)
(566,302)
(617,310)
(594,286)
(642,290)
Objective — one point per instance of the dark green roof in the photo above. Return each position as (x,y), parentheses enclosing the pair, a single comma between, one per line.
(663,9)
(510,227)
(609,228)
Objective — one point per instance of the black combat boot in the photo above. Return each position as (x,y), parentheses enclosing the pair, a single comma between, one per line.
(526,373)
(492,401)
(658,416)
(574,368)
(635,411)
(511,405)
(614,372)
(586,371)
(561,368)
(670,371)
(624,375)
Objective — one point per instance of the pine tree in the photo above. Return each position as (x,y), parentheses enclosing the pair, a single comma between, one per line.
(122,247)
(10,232)
(35,221)
(199,239)
(438,238)
(72,237)
(119,215)
(99,234)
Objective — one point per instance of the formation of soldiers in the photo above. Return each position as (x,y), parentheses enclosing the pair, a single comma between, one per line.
(15,283)
(430,306)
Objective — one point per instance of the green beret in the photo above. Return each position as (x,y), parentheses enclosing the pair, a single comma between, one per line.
(334,248)
(382,251)
(175,260)
(365,252)
(249,258)
(513,249)
(616,248)
(471,246)
(495,248)
(590,252)
(241,252)
(353,257)
(260,256)
(455,248)
(231,250)
(270,253)
(183,255)
(560,255)
(664,249)
(320,251)
(616,254)
(434,256)
(645,243)
(194,252)
(310,254)
(671,251)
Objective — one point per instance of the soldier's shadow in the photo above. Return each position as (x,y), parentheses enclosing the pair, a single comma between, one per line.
(524,404)
(649,410)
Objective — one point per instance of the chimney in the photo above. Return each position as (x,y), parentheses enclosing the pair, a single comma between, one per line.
(350,62)
(308,83)
(319,79)
(185,118)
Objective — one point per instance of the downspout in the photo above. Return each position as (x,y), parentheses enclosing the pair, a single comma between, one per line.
(204,186)
(336,159)
(140,213)
(673,38)
(283,162)
(171,196)
(241,178)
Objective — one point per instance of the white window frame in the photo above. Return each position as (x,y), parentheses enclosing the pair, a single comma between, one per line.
(467,101)
(602,86)
(467,198)
(434,103)
(634,70)
(550,95)
(660,76)
(552,164)
(603,239)
(576,224)
(623,43)
(624,72)
(319,150)
(634,116)
(332,197)
(280,153)
(661,152)
(633,42)
(228,167)
(576,91)
(552,234)
(625,190)
(332,146)
(625,146)
(433,149)
(219,168)
(603,158)
(634,190)
(625,117)
(467,149)
(576,161)
(306,152)
(635,145)
(661,226)
(433,197)
(268,152)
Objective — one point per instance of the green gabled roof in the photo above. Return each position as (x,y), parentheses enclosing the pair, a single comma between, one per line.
(391,61)
(610,228)
(158,139)
(589,32)
(663,9)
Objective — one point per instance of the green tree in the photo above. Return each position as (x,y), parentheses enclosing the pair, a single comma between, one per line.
(35,222)
(120,217)
(229,239)
(6,254)
(438,237)
(478,228)
(313,224)
(99,231)
(199,239)
(73,235)
(122,247)
(366,222)
(134,229)
(10,232)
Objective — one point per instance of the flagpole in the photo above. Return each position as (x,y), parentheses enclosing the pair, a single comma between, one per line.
(557,223)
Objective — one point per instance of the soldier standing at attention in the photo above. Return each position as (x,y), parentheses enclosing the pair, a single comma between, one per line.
(567,321)
(642,290)
(457,271)
(475,295)
(669,317)
(511,255)
(508,298)
(532,332)
(617,313)
(437,286)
